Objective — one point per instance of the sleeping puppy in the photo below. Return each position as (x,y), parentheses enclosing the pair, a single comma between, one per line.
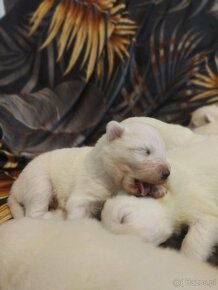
(192,199)
(130,156)
(41,254)
(204,120)
(204,115)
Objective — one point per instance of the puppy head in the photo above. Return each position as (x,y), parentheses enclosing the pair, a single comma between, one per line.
(134,155)
(203,116)
(143,217)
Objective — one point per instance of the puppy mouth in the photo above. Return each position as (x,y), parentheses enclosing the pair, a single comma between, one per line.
(143,188)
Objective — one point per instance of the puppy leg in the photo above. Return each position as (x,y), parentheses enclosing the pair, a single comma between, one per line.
(37,204)
(78,207)
(201,238)
(158,191)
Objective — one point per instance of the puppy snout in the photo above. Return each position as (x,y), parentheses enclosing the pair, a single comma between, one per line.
(165,174)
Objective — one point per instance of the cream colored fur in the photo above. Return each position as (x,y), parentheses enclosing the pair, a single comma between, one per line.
(192,199)
(203,116)
(80,178)
(81,255)
(208,129)
(174,135)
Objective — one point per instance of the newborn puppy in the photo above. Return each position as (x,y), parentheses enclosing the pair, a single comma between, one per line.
(130,156)
(192,199)
(209,129)
(144,217)
(203,116)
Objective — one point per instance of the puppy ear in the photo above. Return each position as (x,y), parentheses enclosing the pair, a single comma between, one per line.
(209,118)
(114,130)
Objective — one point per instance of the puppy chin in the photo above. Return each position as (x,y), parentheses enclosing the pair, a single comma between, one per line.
(127,180)
(131,190)
(128,184)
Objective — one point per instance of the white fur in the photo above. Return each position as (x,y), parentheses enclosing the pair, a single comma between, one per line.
(203,116)
(144,217)
(174,135)
(208,129)
(192,199)
(81,255)
(80,177)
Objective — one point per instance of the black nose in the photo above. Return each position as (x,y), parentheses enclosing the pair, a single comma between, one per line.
(165,174)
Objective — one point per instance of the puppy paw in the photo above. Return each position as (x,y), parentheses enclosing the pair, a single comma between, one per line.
(158,191)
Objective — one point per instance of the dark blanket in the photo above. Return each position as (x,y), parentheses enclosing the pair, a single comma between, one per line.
(67,67)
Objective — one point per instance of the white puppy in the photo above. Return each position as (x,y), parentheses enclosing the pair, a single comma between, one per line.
(174,135)
(203,116)
(144,217)
(192,199)
(129,156)
(208,129)
(80,255)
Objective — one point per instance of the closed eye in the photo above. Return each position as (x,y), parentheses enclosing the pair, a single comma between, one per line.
(143,150)
(124,219)
(146,150)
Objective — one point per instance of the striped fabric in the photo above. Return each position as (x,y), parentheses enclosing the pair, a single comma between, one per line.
(6,180)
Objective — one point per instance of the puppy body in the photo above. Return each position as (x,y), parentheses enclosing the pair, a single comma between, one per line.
(47,255)
(174,135)
(192,199)
(126,157)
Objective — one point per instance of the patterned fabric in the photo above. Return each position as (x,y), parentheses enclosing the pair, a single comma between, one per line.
(10,167)
(67,67)
(6,180)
